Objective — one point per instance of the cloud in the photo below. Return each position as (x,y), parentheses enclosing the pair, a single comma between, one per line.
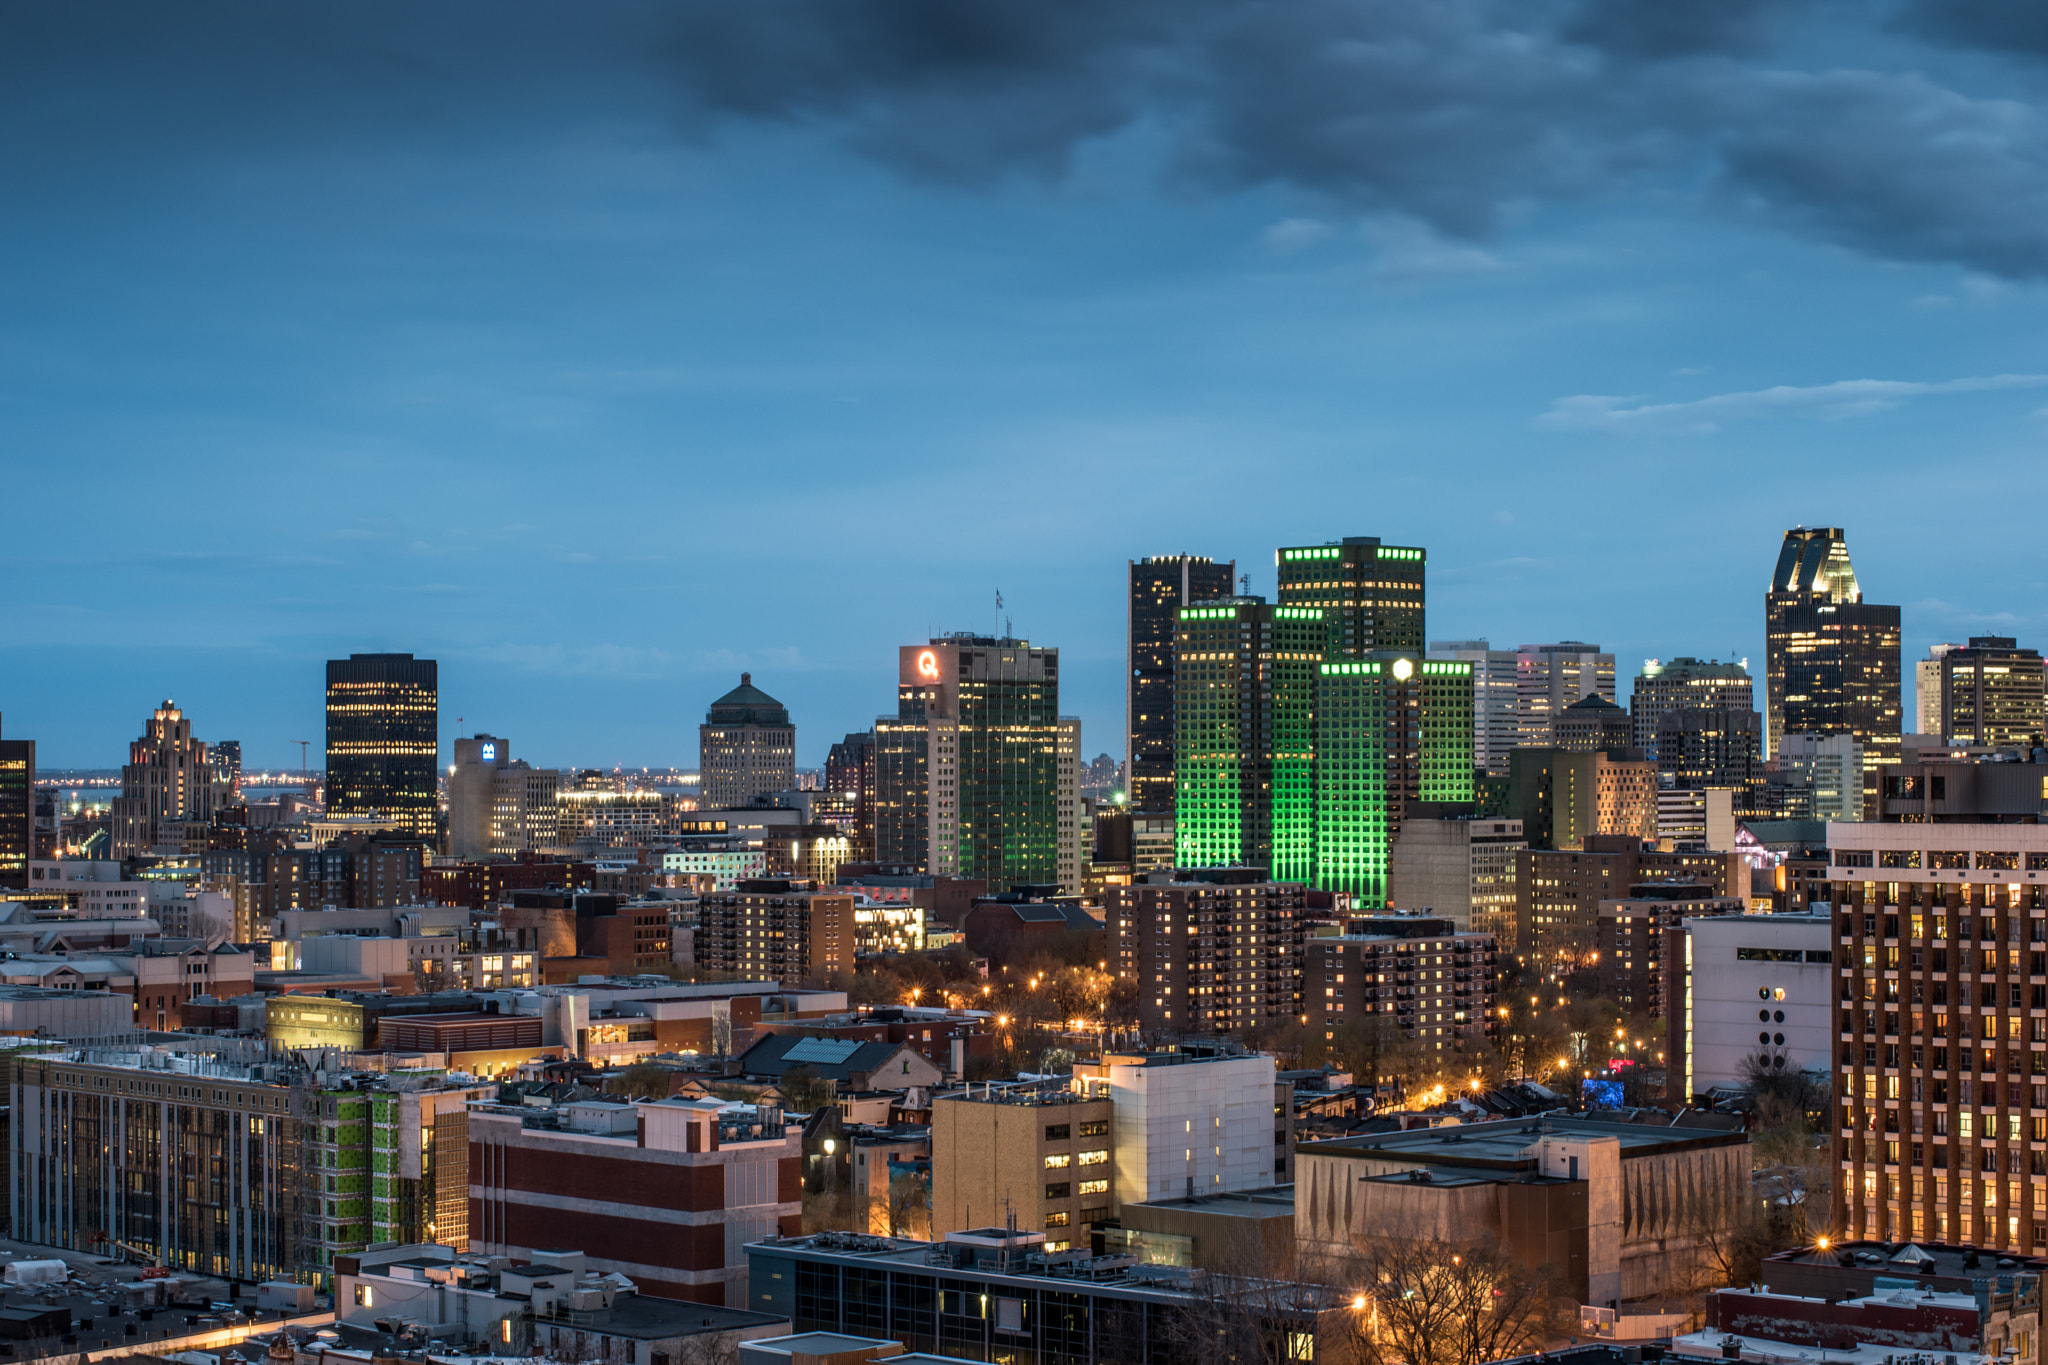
(1290,235)
(1845,398)
(1407,250)
(1453,114)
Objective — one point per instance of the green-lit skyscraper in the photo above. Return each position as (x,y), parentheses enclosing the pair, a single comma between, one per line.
(1309,728)
(1392,730)
(1244,721)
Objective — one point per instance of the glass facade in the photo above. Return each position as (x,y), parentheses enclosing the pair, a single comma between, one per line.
(1159,589)
(1307,729)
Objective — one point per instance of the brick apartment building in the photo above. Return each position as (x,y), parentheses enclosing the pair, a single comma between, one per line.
(1213,955)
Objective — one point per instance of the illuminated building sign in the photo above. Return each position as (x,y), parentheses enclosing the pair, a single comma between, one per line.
(489,753)
(928,664)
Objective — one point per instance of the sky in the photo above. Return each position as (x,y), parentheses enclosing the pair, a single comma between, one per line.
(602,352)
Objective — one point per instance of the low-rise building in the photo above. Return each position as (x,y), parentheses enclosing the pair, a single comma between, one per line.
(1040,1152)
(996,1294)
(669,1191)
(1620,1210)
(560,1306)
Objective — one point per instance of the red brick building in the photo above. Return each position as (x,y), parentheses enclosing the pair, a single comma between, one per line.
(666,1193)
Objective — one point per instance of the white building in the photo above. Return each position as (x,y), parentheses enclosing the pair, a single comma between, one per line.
(92,888)
(1496,725)
(1463,869)
(1758,986)
(1186,1123)
(1833,766)
(1696,820)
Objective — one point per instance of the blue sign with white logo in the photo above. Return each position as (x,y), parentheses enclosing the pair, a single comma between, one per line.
(489,753)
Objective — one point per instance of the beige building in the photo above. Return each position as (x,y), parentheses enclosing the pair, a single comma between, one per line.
(1043,1155)
(1621,1211)
(1076,825)
(745,748)
(168,781)
(1210,956)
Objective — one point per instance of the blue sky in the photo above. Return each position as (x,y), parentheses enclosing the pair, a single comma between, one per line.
(602,353)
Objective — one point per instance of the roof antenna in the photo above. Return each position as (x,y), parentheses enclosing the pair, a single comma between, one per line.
(1245,581)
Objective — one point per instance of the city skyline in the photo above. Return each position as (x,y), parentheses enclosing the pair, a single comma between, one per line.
(1097,681)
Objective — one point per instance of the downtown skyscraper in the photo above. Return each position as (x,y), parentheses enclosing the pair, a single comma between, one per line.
(968,776)
(1831,660)
(383,739)
(1160,586)
(1310,727)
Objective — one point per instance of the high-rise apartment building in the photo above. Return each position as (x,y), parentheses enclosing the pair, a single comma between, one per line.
(746,747)
(1992,694)
(1685,681)
(1831,660)
(1422,974)
(384,738)
(1371,594)
(1927,691)
(776,929)
(1941,1086)
(1831,768)
(1548,678)
(968,770)
(168,780)
(17,810)
(1219,952)
(1160,587)
(1496,716)
(1247,673)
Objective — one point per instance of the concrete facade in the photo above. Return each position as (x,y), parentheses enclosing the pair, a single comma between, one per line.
(1462,868)
(1749,976)
(1188,1124)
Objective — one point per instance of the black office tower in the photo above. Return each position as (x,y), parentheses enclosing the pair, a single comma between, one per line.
(1159,589)
(383,739)
(1842,678)
(1813,569)
(1371,594)
(17,810)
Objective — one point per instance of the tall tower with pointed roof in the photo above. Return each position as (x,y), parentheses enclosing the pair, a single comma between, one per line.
(1831,660)
(746,747)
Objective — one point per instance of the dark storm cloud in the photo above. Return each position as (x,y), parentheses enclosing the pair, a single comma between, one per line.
(1450,111)
(2013,26)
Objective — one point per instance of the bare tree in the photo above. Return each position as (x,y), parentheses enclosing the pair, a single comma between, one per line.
(1424,1299)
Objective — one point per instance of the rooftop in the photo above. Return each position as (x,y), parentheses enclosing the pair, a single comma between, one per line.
(1498,1146)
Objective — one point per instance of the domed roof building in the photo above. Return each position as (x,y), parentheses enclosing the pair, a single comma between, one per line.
(745,748)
